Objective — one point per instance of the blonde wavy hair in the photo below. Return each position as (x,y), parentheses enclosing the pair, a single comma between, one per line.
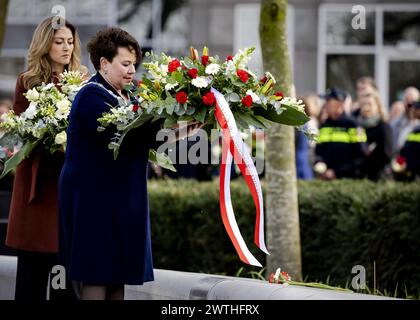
(39,62)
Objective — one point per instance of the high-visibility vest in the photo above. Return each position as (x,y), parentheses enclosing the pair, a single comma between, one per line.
(343,135)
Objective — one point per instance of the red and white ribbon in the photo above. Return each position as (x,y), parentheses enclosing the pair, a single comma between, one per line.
(234,147)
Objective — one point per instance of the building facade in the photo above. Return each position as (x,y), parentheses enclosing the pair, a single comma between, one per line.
(330,42)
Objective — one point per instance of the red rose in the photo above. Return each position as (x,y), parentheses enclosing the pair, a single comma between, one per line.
(247,101)
(285,276)
(173,65)
(209,99)
(204,60)
(279,94)
(243,75)
(192,73)
(229,57)
(400,160)
(135,107)
(181,97)
(271,278)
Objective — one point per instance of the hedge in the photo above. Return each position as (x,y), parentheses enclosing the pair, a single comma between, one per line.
(343,223)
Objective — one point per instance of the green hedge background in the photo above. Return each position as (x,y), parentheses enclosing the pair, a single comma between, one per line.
(343,223)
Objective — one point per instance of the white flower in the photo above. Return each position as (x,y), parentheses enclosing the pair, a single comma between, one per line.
(212,68)
(164,69)
(63,109)
(32,95)
(170,86)
(277,274)
(255,97)
(320,167)
(63,104)
(199,82)
(48,86)
(30,112)
(61,138)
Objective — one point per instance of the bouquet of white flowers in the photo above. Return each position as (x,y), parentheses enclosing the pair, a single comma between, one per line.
(45,120)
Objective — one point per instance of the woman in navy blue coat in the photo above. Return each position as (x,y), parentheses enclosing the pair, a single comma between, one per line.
(104,213)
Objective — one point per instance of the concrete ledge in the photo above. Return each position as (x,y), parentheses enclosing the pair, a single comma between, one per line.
(177,285)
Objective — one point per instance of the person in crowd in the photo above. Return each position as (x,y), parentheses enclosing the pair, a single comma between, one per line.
(396,111)
(379,139)
(339,150)
(403,125)
(305,149)
(364,86)
(105,239)
(33,217)
(410,153)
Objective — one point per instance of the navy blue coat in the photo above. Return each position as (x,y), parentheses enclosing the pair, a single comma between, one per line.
(104,213)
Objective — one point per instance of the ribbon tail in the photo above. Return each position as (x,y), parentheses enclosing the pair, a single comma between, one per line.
(242,156)
(226,209)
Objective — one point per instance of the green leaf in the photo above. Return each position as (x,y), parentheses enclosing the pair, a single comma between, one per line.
(161,159)
(176,76)
(147,82)
(233,97)
(200,115)
(249,119)
(290,116)
(18,157)
(169,122)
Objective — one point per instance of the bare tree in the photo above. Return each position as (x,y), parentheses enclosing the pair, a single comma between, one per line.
(283,235)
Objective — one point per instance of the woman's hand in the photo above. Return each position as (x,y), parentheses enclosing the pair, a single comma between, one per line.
(185,129)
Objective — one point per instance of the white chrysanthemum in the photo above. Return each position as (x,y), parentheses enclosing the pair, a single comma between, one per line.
(212,68)
(200,82)
(255,97)
(61,138)
(170,86)
(32,95)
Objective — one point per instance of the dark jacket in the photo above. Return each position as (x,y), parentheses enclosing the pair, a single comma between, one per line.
(340,145)
(379,142)
(104,211)
(411,153)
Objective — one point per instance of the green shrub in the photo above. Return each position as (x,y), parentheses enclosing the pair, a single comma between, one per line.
(343,223)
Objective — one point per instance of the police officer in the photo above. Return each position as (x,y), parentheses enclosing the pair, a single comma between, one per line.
(339,152)
(410,153)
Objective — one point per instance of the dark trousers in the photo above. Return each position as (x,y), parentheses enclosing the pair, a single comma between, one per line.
(33,271)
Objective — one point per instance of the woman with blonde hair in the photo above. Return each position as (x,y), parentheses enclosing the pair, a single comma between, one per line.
(33,215)
(379,139)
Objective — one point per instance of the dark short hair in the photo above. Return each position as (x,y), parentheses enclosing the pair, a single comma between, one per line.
(335,93)
(106,43)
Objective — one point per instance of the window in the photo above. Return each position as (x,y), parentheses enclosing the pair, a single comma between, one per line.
(388,49)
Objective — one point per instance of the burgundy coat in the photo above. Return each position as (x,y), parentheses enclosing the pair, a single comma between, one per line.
(33,215)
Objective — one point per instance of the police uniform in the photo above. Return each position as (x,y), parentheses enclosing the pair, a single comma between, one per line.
(340,146)
(411,153)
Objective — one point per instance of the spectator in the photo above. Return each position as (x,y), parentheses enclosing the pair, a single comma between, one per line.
(410,153)
(403,125)
(364,86)
(379,138)
(339,150)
